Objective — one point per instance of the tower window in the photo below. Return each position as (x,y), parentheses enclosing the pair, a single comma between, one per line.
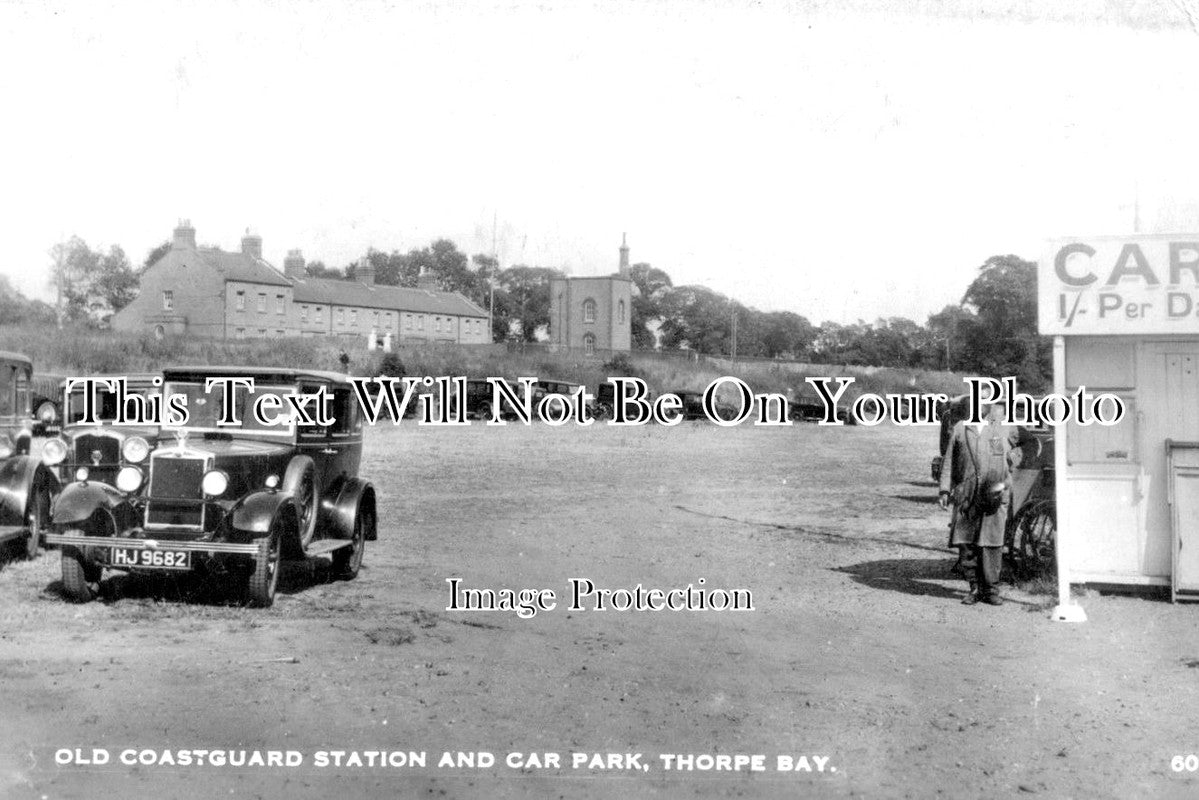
(589,310)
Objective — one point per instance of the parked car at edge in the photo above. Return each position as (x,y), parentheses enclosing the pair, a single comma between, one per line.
(101,449)
(232,501)
(27,487)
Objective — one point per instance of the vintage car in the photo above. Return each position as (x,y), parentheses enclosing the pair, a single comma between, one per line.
(478,398)
(27,487)
(231,500)
(101,449)
(47,404)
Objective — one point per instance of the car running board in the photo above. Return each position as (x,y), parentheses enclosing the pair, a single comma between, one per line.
(326,546)
(15,531)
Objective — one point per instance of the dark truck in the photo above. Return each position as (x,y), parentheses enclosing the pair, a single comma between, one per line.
(231,501)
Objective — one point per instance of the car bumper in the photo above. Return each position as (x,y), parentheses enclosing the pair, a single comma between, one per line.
(110,543)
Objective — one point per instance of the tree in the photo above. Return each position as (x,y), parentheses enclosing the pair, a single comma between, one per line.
(650,286)
(16,309)
(697,318)
(93,285)
(156,253)
(785,333)
(317,269)
(115,281)
(1003,339)
(523,297)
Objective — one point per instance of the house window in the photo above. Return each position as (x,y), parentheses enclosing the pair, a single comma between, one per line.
(341,316)
(589,344)
(420,322)
(168,300)
(319,313)
(278,304)
(240,333)
(437,324)
(376,319)
(262,331)
(407,322)
(241,304)
(354,317)
(303,313)
(261,304)
(620,312)
(589,310)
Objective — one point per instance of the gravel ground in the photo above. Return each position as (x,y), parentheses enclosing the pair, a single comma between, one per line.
(858,663)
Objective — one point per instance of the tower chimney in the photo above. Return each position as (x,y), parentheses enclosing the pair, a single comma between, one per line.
(293,265)
(364,272)
(185,236)
(251,244)
(624,255)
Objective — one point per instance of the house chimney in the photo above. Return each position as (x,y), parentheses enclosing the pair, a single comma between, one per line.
(251,244)
(293,265)
(427,281)
(624,255)
(185,236)
(364,272)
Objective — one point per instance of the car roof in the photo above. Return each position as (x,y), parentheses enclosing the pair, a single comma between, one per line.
(266,374)
(20,358)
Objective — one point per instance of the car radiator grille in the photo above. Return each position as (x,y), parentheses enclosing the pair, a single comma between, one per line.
(88,445)
(175,494)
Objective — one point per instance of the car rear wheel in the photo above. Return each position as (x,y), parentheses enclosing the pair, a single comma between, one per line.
(348,560)
(80,577)
(260,591)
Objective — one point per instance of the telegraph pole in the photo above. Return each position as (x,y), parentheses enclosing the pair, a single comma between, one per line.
(495,263)
(734,334)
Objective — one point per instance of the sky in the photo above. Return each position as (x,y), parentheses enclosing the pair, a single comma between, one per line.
(844,161)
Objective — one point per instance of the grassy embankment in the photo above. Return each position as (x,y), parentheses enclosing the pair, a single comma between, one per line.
(88,352)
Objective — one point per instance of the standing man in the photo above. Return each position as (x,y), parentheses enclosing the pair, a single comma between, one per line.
(976,476)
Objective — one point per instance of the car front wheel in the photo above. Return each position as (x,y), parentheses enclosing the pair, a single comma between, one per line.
(80,577)
(260,591)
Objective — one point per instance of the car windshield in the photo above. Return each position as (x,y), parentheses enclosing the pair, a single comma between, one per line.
(204,408)
(106,403)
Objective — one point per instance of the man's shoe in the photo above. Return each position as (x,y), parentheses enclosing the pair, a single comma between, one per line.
(993,600)
(970,599)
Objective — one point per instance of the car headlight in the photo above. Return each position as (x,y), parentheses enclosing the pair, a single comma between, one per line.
(215,483)
(54,451)
(6,448)
(81,474)
(135,449)
(129,479)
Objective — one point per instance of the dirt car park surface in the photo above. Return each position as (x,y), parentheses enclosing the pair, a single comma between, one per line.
(858,650)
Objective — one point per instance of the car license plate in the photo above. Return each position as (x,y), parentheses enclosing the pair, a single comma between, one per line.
(153,559)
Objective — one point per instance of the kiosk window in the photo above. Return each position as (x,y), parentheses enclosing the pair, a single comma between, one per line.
(1104,444)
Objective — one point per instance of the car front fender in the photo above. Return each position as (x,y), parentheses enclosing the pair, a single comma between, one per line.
(340,518)
(18,477)
(78,502)
(253,515)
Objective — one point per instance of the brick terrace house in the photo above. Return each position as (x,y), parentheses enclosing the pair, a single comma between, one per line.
(205,291)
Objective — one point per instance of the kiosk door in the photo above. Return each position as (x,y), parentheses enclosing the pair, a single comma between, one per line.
(1168,405)
(1184,511)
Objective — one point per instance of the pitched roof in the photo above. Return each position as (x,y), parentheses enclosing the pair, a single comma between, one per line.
(355,293)
(242,267)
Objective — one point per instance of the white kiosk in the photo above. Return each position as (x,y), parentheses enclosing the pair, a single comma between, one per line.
(1124,313)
